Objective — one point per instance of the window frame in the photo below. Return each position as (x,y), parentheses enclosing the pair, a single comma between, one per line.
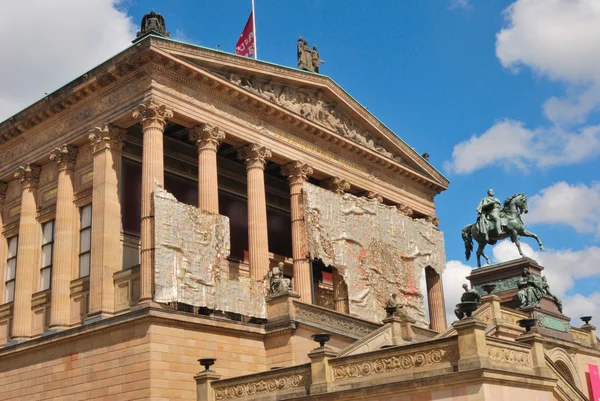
(89,251)
(13,280)
(45,245)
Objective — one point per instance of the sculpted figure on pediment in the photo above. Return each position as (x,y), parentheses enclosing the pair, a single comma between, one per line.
(315,107)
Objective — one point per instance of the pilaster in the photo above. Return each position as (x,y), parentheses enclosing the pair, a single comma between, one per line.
(28,252)
(255,157)
(153,118)
(64,231)
(106,250)
(207,138)
(297,174)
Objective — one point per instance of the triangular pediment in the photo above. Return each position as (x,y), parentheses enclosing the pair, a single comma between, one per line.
(308,96)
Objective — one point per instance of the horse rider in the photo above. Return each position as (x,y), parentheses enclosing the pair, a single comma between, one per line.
(489,210)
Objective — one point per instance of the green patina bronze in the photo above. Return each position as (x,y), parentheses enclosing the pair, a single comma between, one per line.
(553,323)
(530,289)
(494,224)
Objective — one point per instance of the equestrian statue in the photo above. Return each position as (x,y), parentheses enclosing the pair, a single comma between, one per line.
(496,222)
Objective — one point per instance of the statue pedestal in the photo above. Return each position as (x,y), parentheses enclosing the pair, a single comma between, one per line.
(506,276)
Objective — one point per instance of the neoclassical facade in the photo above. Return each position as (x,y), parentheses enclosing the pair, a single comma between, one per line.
(107,292)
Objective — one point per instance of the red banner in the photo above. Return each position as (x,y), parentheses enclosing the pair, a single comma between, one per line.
(245,44)
(594,382)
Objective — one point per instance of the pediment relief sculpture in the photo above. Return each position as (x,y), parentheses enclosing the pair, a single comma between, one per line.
(313,106)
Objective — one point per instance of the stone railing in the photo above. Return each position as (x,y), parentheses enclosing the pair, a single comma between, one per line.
(582,337)
(439,355)
(127,288)
(511,318)
(80,299)
(6,312)
(288,382)
(331,320)
(505,352)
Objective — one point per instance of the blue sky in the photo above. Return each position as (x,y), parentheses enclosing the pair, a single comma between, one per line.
(516,83)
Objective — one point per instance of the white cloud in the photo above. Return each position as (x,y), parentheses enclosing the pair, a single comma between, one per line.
(558,39)
(575,205)
(46,44)
(461,4)
(578,305)
(510,145)
(453,278)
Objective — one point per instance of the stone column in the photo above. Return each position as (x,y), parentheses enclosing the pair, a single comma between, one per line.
(336,184)
(64,231)
(297,173)
(3,243)
(340,292)
(435,299)
(154,118)
(258,240)
(28,253)
(106,251)
(207,138)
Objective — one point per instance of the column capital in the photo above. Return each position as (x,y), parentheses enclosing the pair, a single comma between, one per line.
(336,184)
(107,137)
(404,210)
(254,155)
(153,114)
(28,174)
(433,220)
(206,136)
(296,171)
(65,157)
(372,195)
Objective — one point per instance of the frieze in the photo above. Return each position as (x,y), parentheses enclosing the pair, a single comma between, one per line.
(511,319)
(485,316)
(582,338)
(395,363)
(501,285)
(263,386)
(509,355)
(36,143)
(320,317)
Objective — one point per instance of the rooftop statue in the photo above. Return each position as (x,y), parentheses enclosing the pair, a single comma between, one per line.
(308,60)
(496,222)
(277,283)
(153,23)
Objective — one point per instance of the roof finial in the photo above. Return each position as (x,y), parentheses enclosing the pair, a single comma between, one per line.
(152,23)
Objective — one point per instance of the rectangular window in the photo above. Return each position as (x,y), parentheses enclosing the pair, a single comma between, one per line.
(47,251)
(85,240)
(11,269)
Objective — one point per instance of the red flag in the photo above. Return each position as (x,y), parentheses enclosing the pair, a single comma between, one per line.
(245,45)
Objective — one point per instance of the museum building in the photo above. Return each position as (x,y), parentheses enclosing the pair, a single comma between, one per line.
(149,206)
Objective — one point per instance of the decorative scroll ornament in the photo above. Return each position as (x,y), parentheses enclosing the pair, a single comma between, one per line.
(254,155)
(404,210)
(151,114)
(508,355)
(296,171)
(372,195)
(206,136)
(263,386)
(107,137)
(395,363)
(64,156)
(315,107)
(28,173)
(336,184)
(433,220)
